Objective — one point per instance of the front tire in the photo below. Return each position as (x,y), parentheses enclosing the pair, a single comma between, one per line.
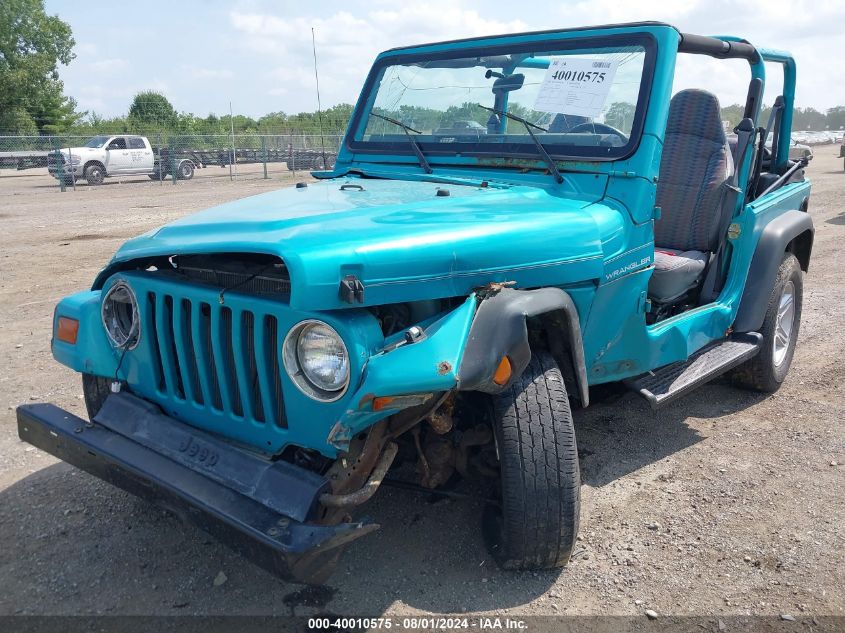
(536,526)
(95,389)
(95,174)
(768,369)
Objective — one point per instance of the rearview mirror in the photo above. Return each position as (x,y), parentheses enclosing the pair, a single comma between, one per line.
(508,84)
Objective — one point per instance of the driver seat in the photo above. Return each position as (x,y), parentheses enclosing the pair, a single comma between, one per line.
(695,171)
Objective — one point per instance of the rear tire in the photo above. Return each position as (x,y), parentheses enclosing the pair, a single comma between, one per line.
(186,170)
(768,369)
(536,526)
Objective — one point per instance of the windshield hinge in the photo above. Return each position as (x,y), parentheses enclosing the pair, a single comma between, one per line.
(351,289)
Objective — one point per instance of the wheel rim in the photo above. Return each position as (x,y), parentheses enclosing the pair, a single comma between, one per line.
(784,323)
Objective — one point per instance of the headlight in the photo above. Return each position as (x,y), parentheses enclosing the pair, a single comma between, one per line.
(120,316)
(75,160)
(316,360)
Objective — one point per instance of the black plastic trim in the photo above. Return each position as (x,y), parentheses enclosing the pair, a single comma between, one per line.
(714,47)
(763,271)
(499,329)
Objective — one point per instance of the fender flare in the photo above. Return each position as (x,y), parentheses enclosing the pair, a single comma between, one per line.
(775,240)
(94,161)
(499,329)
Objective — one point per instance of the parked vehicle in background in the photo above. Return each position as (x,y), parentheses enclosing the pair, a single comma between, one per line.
(120,155)
(842,150)
(797,151)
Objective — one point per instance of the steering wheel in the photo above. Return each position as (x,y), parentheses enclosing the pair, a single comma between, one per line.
(600,128)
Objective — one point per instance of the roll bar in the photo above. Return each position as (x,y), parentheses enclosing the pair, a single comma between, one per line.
(713,46)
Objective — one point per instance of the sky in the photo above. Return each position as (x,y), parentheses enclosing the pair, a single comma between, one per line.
(257,54)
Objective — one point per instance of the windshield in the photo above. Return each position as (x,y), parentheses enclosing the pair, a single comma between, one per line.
(587,102)
(97,141)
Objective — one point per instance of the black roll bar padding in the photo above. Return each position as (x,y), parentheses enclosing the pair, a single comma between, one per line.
(774,127)
(713,46)
(755,93)
(744,133)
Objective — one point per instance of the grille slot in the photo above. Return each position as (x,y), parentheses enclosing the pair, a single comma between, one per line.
(170,338)
(217,357)
(272,346)
(208,348)
(229,362)
(248,338)
(191,368)
(158,367)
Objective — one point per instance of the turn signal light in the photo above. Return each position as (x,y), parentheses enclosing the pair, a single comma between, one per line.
(503,372)
(382,403)
(67,330)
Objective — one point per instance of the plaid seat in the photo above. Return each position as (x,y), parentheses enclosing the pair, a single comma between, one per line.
(694,172)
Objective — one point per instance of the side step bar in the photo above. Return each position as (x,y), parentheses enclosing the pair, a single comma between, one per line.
(664,385)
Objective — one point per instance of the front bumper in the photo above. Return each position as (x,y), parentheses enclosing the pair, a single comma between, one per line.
(67,170)
(259,508)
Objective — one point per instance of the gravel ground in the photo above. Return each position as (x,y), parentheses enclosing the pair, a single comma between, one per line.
(727,503)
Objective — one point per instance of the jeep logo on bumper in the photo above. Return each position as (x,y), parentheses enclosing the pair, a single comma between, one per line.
(198,451)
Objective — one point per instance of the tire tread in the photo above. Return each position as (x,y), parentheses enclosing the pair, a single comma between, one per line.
(539,469)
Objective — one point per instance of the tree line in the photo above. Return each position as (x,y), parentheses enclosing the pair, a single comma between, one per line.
(32,101)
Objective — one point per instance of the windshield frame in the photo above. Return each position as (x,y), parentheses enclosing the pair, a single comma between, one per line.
(506,151)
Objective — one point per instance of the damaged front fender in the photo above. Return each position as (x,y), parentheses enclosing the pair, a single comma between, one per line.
(426,366)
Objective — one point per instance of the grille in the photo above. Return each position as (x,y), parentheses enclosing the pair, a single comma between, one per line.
(217,357)
(241,282)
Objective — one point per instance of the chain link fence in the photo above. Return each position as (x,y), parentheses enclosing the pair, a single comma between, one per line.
(72,161)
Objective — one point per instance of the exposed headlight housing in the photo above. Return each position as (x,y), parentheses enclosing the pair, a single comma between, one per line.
(317,361)
(120,316)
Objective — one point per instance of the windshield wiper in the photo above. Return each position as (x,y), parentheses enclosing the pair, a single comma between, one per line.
(408,129)
(528,125)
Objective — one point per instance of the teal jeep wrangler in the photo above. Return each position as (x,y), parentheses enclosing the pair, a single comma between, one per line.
(511,221)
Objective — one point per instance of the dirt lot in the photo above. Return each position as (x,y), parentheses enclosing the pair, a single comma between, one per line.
(726,503)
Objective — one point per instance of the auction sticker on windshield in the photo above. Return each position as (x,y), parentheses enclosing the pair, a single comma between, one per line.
(576,86)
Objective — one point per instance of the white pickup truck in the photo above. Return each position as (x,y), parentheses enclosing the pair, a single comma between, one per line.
(119,155)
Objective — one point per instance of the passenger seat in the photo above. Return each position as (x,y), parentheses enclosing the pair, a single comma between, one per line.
(694,174)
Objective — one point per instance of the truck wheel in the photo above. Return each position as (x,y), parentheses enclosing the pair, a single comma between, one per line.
(186,170)
(536,526)
(95,389)
(767,370)
(95,174)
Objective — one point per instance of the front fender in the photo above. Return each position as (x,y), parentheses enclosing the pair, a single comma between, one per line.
(499,329)
(424,368)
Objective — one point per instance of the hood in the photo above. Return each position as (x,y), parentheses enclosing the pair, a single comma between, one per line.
(401,239)
(81,150)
